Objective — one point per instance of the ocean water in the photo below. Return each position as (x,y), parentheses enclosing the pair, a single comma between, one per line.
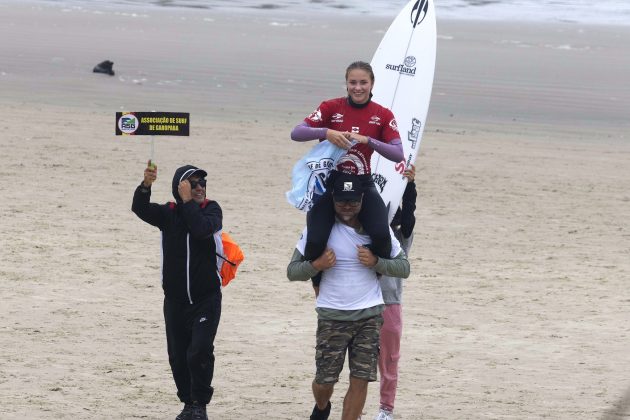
(616,12)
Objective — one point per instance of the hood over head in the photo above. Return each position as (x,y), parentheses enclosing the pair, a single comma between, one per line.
(183,173)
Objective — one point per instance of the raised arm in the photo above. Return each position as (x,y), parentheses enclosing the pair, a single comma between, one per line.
(407,217)
(141,205)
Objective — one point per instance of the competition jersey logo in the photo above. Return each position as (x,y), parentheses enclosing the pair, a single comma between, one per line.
(354,162)
(316,116)
(375,120)
(419,12)
(393,125)
(337,118)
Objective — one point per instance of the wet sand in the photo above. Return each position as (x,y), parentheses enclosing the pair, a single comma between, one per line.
(517,306)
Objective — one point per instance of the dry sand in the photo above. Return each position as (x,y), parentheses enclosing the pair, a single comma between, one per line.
(518,303)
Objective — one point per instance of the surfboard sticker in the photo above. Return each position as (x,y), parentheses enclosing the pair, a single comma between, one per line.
(404,65)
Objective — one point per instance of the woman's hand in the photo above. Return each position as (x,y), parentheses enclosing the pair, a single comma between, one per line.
(338,138)
(358,138)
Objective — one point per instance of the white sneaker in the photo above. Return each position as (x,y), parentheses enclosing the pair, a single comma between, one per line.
(384,415)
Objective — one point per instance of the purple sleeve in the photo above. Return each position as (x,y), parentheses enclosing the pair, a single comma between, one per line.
(391,151)
(302,132)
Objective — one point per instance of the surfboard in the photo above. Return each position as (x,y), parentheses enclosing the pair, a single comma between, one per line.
(404,65)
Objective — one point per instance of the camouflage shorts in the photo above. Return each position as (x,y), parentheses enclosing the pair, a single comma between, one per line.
(359,338)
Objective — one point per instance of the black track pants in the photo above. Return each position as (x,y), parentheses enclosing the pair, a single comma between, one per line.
(190,332)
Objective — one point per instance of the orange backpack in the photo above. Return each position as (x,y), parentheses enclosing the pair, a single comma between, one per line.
(233,255)
(232,258)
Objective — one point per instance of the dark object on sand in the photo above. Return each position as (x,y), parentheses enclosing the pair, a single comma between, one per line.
(104,67)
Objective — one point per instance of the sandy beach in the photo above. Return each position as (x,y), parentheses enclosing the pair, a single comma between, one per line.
(517,306)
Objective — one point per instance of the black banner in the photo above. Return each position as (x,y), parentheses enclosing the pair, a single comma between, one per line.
(152,123)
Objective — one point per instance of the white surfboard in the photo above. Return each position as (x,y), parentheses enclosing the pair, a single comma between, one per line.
(403,65)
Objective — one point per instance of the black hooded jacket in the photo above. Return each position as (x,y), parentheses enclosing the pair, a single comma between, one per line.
(404,216)
(191,236)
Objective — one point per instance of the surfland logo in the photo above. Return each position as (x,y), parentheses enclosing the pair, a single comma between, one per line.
(419,12)
(408,68)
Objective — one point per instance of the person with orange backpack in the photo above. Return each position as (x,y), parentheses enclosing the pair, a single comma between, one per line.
(192,259)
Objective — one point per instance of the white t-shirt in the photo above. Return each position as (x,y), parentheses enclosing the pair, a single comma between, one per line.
(348,285)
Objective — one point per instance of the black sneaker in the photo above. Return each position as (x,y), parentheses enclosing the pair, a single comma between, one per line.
(186,413)
(199,412)
(318,414)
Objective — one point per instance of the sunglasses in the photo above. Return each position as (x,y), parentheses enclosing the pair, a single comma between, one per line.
(193,184)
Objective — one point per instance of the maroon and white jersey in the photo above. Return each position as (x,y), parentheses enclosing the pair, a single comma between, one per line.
(372,120)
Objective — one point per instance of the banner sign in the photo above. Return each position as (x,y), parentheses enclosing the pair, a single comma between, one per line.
(152,123)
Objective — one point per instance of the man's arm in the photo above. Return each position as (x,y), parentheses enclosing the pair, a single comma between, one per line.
(394,267)
(301,270)
(408,205)
(141,205)
(407,217)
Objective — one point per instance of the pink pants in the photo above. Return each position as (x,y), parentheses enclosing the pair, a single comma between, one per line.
(391,331)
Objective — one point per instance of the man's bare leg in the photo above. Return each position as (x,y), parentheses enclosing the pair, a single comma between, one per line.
(322,394)
(355,399)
